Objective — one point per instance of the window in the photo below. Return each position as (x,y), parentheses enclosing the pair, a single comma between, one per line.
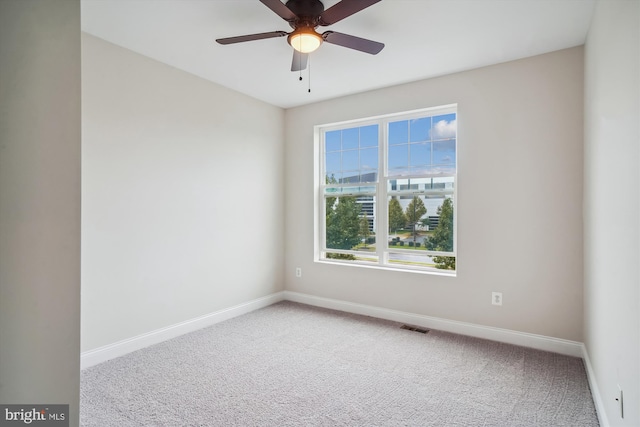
(387,191)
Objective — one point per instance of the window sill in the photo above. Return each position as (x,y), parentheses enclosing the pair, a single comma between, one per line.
(434,272)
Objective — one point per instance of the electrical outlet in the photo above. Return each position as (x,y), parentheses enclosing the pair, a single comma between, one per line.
(298,272)
(620,401)
(496,298)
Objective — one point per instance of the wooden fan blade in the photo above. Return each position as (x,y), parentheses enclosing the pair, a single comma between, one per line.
(345,8)
(353,42)
(251,37)
(299,61)
(280,9)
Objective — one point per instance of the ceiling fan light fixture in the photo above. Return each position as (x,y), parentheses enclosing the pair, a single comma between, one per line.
(305,40)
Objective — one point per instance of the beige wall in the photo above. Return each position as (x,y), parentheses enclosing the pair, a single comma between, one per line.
(40,203)
(182,198)
(519,198)
(611,206)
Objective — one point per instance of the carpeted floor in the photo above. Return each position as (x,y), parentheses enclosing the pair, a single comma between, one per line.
(295,365)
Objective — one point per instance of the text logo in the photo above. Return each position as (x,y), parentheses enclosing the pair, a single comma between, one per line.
(34,415)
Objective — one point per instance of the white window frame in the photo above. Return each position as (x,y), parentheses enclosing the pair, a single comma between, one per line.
(381,194)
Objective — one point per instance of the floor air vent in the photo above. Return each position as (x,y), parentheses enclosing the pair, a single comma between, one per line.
(414,329)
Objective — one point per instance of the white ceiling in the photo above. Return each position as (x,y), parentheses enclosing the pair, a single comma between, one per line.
(423,38)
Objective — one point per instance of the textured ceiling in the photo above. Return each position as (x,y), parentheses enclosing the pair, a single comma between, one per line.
(423,38)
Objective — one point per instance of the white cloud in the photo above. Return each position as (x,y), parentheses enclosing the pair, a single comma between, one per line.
(444,129)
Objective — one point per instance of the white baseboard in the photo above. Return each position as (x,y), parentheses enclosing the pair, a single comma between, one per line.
(595,392)
(120,348)
(540,342)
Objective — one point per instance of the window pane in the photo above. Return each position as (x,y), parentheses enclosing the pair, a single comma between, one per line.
(356,178)
(399,132)
(398,157)
(332,140)
(333,162)
(370,176)
(444,127)
(350,161)
(420,129)
(351,178)
(351,155)
(397,218)
(418,184)
(406,228)
(440,236)
(369,136)
(420,154)
(333,177)
(369,158)
(434,232)
(447,182)
(350,138)
(350,222)
(444,153)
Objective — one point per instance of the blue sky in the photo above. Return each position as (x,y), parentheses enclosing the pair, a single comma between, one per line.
(423,145)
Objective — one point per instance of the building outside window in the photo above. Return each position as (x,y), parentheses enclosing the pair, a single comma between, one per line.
(387,191)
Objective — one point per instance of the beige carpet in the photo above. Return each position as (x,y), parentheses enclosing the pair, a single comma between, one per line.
(295,365)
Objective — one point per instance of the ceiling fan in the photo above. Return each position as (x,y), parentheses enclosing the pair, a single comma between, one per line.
(304,16)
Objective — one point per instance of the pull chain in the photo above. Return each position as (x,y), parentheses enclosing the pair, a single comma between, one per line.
(308,70)
(300,66)
(309,73)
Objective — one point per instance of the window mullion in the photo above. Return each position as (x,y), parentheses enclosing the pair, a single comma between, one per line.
(382,234)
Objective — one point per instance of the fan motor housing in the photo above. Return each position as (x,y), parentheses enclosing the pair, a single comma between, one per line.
(307,10)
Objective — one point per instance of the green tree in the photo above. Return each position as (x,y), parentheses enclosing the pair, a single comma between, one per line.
(343,223)
(442,238)
(330,201)
(332,223)
(414,212)
(364,229)
(397,218)
(425,222)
